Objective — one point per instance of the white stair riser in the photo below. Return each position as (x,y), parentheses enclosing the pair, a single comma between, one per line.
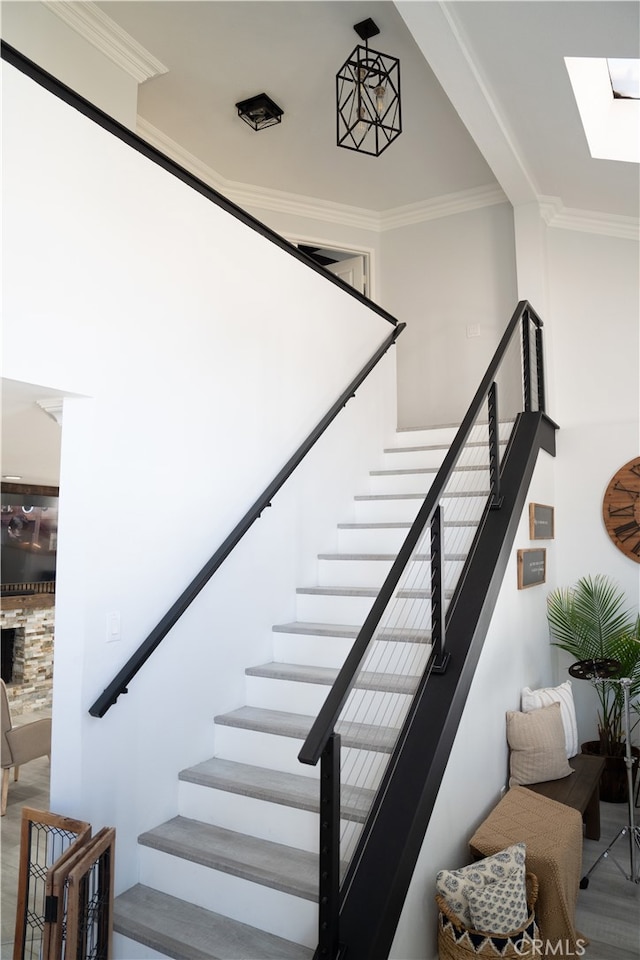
(386,511)
(259,818)
(340,572)
(371,539)
(331,651)
(397,657)
(390,483)
(279,913)
(126,949)
(252,746)
(330,608)
(363,706)
(401,510)
(353,573)
(290,695)
(317,651)
(410,459)
(437,435)
(260,749)
(423,437)
(376,707)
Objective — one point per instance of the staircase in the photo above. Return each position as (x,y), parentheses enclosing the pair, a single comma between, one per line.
(235,875)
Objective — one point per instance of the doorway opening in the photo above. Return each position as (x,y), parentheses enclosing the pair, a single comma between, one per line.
(352,266)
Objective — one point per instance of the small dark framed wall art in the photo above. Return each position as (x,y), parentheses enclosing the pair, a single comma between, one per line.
(532,567)
(541,522)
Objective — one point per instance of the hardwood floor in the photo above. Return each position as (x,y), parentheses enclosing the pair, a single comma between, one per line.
(31,790)
(608,910)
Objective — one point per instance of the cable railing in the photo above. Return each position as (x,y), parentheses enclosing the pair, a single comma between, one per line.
(120,683)
(403,639)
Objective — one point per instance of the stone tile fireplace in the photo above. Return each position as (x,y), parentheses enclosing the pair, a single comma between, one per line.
(27,625)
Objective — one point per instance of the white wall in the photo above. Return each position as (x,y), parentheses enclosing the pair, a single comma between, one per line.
(44,38)
(594,322)
(441,276)
(516,654)
(592,332)
(201,376)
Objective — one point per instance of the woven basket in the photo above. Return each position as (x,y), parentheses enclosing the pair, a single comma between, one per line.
(459,943)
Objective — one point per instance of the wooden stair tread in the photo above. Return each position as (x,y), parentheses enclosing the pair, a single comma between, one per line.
(275,786)
(185,931)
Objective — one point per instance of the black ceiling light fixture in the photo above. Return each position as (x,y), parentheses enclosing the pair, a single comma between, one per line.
(368,97)
(260,112)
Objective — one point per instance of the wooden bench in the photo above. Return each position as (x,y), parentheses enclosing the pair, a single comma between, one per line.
(579,790)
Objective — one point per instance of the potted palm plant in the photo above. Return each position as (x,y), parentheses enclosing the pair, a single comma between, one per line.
(590,621)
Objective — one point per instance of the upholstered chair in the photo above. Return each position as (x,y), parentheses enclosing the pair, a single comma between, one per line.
(20,744)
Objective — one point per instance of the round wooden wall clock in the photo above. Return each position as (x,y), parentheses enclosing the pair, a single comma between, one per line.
(621,509)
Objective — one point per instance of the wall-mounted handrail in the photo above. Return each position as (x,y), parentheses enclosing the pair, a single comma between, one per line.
(89,110)
(326,720)
(120,682)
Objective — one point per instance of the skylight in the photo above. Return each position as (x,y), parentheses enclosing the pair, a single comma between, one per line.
(611,124)
(625,78)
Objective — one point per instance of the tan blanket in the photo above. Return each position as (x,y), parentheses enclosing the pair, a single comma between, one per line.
(553,835)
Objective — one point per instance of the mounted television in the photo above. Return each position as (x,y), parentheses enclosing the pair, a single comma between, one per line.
(29,518)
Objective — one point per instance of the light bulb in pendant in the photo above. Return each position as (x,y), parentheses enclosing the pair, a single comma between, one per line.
(380,92)
(363,121)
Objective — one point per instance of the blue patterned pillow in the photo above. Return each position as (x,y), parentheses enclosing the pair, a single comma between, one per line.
(500,907)
(455,885)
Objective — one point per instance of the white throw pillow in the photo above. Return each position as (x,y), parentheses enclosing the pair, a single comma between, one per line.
(534,699)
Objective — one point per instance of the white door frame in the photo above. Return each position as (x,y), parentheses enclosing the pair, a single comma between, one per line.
(368,253)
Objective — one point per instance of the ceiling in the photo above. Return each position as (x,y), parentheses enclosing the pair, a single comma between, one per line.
(501,64)
(218,53)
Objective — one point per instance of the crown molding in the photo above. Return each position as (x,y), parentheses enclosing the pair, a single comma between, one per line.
(555,214)
(246,195)
(53,408)
(446,205)
(88,20)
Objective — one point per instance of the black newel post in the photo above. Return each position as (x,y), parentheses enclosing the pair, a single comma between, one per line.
(329,906)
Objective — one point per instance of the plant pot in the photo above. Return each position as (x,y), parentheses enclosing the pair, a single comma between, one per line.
(613,782)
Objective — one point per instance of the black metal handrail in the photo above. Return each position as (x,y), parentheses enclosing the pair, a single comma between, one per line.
(120,682)
(324,725)
(323,741)
(89,110)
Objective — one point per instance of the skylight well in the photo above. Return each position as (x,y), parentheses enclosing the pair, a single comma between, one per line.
(625,79)
(607,94)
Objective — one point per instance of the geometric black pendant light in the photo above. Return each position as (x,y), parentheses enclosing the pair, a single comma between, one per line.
(368,97)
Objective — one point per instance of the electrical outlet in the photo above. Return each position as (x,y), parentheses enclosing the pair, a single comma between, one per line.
(473,330)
